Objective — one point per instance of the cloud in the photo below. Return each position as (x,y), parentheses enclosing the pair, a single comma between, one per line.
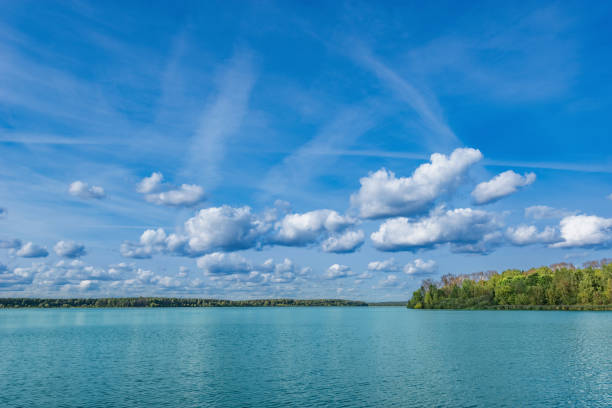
(69,249)
(31,250)
(500,186)
(390,281)
(88,285)
(150,184)
(219,263)
(609,196)
(212,229)
(236,268)
(420,267)
(540,212)
(529,234)
(185,195)
(303,229)
(347,242)
(151,242)
(382,194)
(458,227)
(224,228)
(584,231)
(383,266)
(337,271)
(83,190)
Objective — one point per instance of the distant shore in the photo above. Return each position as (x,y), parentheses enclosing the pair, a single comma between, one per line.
(18,303)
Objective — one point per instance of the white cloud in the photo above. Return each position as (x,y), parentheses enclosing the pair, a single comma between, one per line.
(88,285)
(150,184)
(303,229)
(219,263)
(500,186)
(234,267)
(31,250)
(346,242)
(383,195)
(540,212)
(337,271)
(388,265)
(459,226)
(151,242)
(224,229)
(185,195)
(390,281)
(420,267)
(529,234)
(212,229)
(69,249)
(83,190)
(584,231)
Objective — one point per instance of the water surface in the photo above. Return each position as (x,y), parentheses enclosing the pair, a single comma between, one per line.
(339,357)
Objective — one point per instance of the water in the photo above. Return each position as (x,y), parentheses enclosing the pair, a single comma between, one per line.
(277,357)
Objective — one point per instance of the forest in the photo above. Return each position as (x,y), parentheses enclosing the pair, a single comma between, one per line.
(559,286)
(166,302)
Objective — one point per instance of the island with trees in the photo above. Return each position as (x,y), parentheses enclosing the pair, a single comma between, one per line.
(556,287)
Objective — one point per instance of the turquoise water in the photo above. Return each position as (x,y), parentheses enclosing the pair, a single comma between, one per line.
(276,357)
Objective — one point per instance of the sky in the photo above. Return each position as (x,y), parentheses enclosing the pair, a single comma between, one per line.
(266,149)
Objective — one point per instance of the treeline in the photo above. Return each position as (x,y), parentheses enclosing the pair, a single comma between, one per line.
(167,302)
(559,286)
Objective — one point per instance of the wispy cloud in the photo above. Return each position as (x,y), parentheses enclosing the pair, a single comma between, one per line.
(221,119)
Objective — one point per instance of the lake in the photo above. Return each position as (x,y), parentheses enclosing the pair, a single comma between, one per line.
(307,357)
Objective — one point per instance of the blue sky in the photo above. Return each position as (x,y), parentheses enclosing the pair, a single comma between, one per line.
(264,149)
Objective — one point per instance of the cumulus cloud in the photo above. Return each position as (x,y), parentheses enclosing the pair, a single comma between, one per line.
(420,267)
(150,184)
(382,194)
(185,195)
(388,265)
(390,281)
(540,212)
(224,228)
(219,263)
(69,249)
(346,242)
(584,231)
(234,267)
(151,242)
(458,227)
(529,234)
(500,186)
(337,271)
(85,191)
(31,250)
(306,228)
(212,229)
